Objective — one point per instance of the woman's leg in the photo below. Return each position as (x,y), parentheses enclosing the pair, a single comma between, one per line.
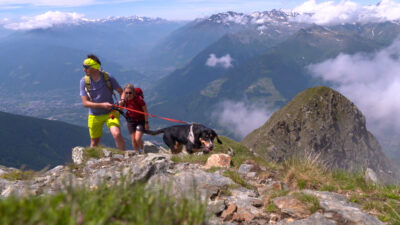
(135,146)
(138,139)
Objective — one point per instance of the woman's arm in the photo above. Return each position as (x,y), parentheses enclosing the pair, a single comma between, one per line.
(146,118)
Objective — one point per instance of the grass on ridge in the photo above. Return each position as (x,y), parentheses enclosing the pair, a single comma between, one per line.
(121,204)
(379,200)
(194,158)
(97,152)
(19,175)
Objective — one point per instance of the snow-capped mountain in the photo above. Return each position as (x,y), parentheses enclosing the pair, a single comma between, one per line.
(273,16)
(129,20)
(59,19)
(183,44)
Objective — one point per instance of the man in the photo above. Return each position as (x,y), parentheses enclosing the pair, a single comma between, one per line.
(96,91)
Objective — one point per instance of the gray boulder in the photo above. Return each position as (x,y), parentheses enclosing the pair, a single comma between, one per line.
(316,218)
(332,202)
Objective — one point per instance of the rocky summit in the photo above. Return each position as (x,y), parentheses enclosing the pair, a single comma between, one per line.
(322,124)
(234,192)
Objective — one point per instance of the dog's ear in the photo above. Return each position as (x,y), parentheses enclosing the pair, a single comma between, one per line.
(197,131)
(216,136)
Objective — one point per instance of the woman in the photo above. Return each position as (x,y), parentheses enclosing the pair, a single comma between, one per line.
(137,122)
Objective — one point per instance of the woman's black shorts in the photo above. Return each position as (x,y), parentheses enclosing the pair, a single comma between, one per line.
(134,126)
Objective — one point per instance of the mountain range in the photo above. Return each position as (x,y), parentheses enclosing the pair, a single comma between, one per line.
(269,73)
(187,69)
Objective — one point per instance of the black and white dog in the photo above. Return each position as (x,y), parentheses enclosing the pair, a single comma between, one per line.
(196,137)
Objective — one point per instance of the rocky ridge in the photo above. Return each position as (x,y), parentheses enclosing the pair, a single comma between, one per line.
(326,125)
(227,201)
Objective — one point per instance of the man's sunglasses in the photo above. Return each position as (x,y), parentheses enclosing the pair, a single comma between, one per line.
(129,93)
(86,66)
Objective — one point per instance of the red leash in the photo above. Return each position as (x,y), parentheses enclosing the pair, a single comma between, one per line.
(160,117)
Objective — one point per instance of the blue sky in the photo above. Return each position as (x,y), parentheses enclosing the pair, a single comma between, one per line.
(168,9)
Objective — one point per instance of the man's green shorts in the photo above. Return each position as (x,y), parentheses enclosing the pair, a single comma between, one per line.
(95,123)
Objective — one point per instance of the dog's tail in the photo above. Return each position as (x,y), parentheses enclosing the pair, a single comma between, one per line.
(154,132)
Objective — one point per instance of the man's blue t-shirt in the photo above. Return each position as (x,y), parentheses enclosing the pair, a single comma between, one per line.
(99,92)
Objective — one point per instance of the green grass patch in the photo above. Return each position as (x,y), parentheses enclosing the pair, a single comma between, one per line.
(19,175)
(97,152)
(270,207)
(213,169)
(311,201)
(226,189)
(106,205)
(194,158)
(304,173)
(278,193)
(350,181)
(379,200)
(235,176)
(330,188)
(383,201)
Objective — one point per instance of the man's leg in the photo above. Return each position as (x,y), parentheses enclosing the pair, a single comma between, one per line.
(113,123)
(94,142)
(95,124)
(119,140)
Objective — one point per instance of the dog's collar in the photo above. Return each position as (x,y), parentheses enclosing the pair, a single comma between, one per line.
(191,135)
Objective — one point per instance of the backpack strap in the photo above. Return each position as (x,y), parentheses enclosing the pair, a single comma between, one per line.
(108,83)
(87,86)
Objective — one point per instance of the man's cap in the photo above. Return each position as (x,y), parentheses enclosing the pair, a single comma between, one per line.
(92,63)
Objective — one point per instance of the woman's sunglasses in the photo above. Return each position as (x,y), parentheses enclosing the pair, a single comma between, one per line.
(128,92)
(86,66)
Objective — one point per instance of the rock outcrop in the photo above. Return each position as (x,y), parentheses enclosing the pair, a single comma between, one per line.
(322,123)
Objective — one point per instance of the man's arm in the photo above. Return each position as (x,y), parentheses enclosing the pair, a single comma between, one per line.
(119,90)
(121,96)
(89,104)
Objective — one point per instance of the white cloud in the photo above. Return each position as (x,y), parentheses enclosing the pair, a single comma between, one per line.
(45,20)
(64,3)
(241,117)
(224,61)
(371,81)
(329,13)
(4,20)
(60,3)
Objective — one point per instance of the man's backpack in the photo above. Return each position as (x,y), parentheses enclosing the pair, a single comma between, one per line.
(106,78)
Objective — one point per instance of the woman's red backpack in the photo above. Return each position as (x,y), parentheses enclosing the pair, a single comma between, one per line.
(139,92)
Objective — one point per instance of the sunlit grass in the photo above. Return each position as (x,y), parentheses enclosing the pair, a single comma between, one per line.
(106,205)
